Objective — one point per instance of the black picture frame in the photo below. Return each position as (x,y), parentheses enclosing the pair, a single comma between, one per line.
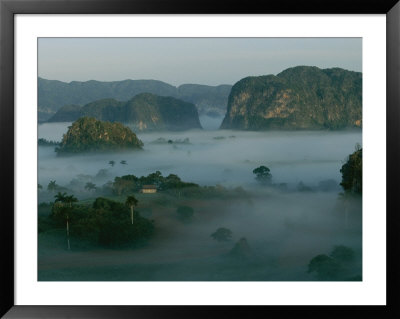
(9,8)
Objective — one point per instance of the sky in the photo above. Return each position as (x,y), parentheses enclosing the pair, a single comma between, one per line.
(210,61)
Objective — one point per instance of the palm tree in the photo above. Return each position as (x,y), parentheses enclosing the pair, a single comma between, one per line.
(52,186)
(69,200)
(112,163)
(131,201)
(60,197)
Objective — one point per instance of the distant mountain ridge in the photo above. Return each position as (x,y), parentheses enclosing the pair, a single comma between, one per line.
(53,94)
(144,111)
(302,97)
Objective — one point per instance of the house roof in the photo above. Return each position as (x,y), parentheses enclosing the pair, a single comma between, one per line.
(149,187)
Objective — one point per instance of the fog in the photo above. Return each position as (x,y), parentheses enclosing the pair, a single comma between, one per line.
(284,227)
(211,157)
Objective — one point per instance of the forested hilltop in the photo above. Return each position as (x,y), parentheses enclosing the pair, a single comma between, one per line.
(52,94)
(302,97)
(89,135)
(144,112)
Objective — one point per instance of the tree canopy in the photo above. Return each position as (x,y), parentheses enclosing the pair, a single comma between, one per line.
(263,174)
(352,173)
(222,234)
(326,267)
(106,223)
(128,184)
(88,134)
(131,201)
(335,266)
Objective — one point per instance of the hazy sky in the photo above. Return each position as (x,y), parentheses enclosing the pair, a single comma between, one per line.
(189,60)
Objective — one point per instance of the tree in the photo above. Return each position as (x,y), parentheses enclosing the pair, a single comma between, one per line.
(241,250)
(69,200)
(342,253)
(131,201)
(263,174)
(63,211)
(60,197)
(155,179)
(352,172)
(173,181)
(39,186)
(326,268)
(125,184)
(90,186)
(222,234)
(52,186)
(110,221)
(351,179)
(112,163)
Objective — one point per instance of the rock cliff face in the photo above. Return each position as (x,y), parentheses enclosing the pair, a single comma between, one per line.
(298,98)
(143,112)
(88,134)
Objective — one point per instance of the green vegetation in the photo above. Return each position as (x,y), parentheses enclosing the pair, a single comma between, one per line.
(144,111)
(172,185)
(88,135)
(44,142)
(241,250)
(343,253)
(95,221)
(62,210)
(222,234)
(326,268)
(336,266)
(109,223)
(131,202)
(352,173)
(54,187)
(162,140)
(105,223)
(130,183)
(263,174)
(302,97)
